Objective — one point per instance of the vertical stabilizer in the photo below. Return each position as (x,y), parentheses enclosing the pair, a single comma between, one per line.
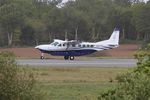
(114,39)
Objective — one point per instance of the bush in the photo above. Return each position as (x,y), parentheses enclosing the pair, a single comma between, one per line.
(15,82)
(134,85)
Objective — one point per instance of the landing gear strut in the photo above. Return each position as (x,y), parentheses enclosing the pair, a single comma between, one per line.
(42,56)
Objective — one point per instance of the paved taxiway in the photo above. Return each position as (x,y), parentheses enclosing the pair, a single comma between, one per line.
(79,63)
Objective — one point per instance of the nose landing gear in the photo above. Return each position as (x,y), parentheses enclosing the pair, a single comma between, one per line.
(42,56)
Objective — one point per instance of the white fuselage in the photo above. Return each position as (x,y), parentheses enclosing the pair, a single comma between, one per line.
(76,48)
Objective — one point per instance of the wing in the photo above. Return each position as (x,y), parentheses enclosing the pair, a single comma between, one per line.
(71,43)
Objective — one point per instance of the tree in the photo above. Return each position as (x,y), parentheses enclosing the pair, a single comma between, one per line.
(141,19)
(93,20)
(11,18)
(27,36)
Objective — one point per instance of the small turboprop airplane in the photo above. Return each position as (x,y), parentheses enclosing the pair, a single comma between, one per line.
(70,49)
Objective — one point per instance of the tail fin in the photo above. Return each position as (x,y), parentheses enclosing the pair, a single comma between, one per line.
(114,39)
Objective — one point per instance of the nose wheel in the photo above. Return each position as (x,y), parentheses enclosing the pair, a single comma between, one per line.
(42,57)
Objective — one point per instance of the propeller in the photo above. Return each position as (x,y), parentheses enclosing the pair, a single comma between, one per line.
(72,42)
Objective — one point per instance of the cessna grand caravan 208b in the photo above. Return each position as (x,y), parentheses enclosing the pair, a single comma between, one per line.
(70,49)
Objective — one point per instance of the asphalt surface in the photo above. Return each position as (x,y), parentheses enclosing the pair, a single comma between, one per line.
(78,63)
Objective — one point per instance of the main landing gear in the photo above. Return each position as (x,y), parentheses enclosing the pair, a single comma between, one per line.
(65,57)
(69,57)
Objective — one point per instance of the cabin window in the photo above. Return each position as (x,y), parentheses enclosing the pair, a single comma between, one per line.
(59,45)
(54,43)
(63,45)
(88,45)
(73,45)
(83,45)
(92,45)
(79,45)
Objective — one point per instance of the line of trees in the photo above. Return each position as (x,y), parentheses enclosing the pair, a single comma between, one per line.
(30,22)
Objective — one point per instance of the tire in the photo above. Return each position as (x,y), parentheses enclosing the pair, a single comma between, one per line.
(42,57)
(71,57)
(66,57)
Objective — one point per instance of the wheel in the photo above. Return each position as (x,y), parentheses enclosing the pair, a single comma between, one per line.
(42,57)
(71,57)
(66,57)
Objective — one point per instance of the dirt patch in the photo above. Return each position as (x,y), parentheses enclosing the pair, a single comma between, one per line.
(121,51)
(23,52)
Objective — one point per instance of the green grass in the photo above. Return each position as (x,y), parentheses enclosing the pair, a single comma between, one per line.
(75,83)
(74,91)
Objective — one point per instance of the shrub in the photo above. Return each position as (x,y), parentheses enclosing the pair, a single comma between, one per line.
(15,82)
(134,85)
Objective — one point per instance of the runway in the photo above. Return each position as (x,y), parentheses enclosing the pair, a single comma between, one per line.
(78,63)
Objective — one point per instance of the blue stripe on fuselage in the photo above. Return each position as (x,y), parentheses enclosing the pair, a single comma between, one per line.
(69,52)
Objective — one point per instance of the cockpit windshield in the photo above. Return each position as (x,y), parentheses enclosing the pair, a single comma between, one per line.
(54,43)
